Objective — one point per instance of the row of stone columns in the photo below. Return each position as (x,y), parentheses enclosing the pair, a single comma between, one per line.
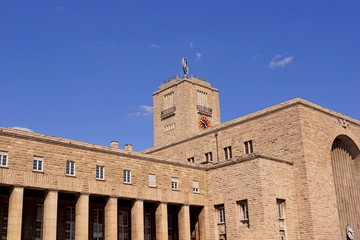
(82,218)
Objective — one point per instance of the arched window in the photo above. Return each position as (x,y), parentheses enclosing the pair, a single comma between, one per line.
(345,160)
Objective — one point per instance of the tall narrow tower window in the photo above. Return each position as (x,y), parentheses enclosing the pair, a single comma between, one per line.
(202,103)
(169,100)
(169,108)
(202,98)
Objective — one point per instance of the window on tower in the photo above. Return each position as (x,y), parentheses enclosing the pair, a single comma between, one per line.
(169,108)
(168,100)
(202,103)
(169,127)
(202,98)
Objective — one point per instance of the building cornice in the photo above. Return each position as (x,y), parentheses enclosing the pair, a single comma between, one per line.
(90,147)
(178,81)
(119,152)
(245,158)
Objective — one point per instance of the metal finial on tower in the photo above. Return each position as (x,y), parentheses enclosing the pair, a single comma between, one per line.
(185,66)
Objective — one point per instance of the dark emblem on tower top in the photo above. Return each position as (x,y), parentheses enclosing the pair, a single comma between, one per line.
(185,66)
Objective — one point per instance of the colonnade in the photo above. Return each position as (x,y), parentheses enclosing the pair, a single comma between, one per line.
(50,211)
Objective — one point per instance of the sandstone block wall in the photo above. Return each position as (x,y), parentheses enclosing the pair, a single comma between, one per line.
(22,147)
(319,130)
(260,181)
(296,131)
(186,118)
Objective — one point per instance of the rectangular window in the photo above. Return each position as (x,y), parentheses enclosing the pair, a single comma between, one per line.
(38,164)
(228,152)
(248,147)
(191,159)
(123,225)
(147,226)
(282,235)
(244,212)
(174,184)
(70,168)
(196,187)
(168,100)
(39,222)
(98,224)
(152,180)
(3,159)
(127,176)
(100,172)
(5,221)
(208,157)
(70,223)
(202,98)
(221,213)
(280,208)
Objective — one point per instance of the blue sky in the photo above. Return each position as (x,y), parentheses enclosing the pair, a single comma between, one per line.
(85,70)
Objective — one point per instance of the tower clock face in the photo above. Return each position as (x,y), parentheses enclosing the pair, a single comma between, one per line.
(204,123)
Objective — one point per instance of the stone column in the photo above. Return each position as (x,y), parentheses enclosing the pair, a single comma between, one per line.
(111,216)
(161,218)
(15,213)
(50,215)
(184,223)
(82,217)
(137,220)
(202,224)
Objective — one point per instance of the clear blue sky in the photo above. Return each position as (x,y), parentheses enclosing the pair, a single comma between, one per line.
(85,70)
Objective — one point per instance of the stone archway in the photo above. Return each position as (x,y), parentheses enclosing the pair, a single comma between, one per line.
(345,160)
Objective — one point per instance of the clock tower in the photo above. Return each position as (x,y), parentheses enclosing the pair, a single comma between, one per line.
(183,106)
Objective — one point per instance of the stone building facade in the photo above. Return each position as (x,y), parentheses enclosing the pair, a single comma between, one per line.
(290,171)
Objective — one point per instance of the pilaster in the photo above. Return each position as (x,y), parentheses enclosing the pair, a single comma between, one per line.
(184,223)
(15,213)
(161,218)
(137,220)
(111,216)
(82,217)
(202,224)
(50,215)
